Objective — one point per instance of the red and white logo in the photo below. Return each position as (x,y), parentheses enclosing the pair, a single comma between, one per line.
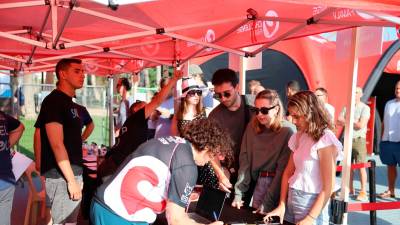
(138,192)
(90,68)
(150,49)
(270,27)
(209,38)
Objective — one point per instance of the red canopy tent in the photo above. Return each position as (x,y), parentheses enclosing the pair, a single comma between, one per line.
(35,34)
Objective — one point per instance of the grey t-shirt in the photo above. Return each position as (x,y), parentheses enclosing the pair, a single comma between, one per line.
(361,111)
(234,123)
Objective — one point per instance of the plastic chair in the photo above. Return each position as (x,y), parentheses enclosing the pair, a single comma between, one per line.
(36,196)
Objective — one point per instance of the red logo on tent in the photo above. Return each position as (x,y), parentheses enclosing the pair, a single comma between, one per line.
(270,27)
(90,68)
(132,198)
(150,49)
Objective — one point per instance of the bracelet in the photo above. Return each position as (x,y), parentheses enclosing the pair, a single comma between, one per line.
(311,216)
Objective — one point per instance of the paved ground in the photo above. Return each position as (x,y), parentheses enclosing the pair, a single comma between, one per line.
(386,217)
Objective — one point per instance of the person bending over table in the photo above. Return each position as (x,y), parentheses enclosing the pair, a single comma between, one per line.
(309,177)
(160,176)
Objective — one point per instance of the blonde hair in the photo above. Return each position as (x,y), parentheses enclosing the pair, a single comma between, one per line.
(274,99)
(317,118)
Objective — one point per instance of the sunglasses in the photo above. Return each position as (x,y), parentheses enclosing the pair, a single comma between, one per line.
(263,110)
(195,92)
(225,94)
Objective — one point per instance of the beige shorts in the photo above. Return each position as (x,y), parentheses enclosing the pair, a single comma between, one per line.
(359,152)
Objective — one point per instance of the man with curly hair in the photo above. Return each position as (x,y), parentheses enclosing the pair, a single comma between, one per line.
(160,176)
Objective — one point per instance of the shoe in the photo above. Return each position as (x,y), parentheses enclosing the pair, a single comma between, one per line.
(362,196)
(386,194)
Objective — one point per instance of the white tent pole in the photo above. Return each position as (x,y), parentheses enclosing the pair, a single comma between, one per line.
(348,131)
(106,67)
(21,4)
(114,49)
(42,66)
(112,18)
(6,67)
(107,39)
(355,23)
(110,111)
(242,74)
(22,39)
(210,45)
(328,21)
(69,55)
(54,20)
(24,31)
(12,58)
(142,43)
(224,35)
(280,38)
(383,16)
(141,57)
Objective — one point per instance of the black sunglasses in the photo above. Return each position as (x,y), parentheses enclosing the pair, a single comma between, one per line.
(226,94)
(263,110)
(194,92)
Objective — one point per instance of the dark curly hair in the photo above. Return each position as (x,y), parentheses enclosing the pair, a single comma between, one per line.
(207,134)
(225,75)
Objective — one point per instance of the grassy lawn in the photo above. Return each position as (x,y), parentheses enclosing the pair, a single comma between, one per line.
(99,135)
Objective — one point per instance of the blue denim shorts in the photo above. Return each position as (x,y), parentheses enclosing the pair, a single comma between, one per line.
(299,204)
(390,153)
(63,209)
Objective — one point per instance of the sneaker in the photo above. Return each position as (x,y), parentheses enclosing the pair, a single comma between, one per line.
(386,194)
(362,196)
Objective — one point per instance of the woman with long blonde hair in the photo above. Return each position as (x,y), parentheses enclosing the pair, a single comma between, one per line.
(264,152)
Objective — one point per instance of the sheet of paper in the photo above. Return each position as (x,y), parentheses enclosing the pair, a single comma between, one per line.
(19,163)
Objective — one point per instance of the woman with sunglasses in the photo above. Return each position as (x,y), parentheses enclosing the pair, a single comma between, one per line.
(309,177)
(190,106)
(191,109)
(264,152)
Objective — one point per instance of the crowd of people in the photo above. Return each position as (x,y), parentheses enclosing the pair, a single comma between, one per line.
(277,160)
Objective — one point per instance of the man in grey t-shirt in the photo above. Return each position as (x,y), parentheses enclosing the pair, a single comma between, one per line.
(232,114)
(359,150)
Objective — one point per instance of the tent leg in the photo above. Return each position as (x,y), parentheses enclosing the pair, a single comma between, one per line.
(242,74)
(110,111)
(350,105)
